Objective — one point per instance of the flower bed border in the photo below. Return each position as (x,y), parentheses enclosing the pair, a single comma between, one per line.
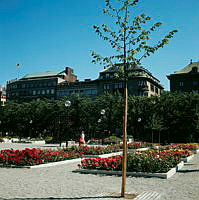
(195,151)
(104,155)
(187,159)
(167,175)
(180,166)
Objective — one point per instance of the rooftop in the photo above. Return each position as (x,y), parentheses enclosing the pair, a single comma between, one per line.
(44,74)
(188,68)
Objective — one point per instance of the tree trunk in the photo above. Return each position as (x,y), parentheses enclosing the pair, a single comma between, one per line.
(124,160)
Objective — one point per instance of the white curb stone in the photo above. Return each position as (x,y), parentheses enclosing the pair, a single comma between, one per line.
(187,159)
(196,151)
(167,175)
(180,166)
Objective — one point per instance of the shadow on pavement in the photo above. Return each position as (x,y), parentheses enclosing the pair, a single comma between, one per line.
(188,170)
(188,164)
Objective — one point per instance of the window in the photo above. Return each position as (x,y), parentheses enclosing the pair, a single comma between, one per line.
(34,92)
(181,83)
(107,75)
(195,83)
(106,86)
(14,86)
(156,90)
(43,92)
(52,91)
(47,91)
(118,85)
(94,91)
(152,87)
(141,83)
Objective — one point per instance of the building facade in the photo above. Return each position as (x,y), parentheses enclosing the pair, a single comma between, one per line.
(185,80)
(38,85)
(142,84)
(59,84)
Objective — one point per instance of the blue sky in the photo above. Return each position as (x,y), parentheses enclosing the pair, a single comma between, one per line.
(48,35)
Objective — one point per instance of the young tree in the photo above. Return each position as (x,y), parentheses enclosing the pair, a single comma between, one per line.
(131,40)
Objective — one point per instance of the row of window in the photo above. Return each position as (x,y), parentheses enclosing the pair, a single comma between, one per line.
(106,76)
(139,83)
(32,92)
(107,86)
(43,92)
(194,83)
(143,94)
(33,85)
(84,92)
(154,89)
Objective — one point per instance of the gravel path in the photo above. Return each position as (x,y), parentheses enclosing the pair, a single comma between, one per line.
(59,182)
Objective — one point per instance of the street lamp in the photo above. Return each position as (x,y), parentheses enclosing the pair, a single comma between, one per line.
(67,103)
(102,112)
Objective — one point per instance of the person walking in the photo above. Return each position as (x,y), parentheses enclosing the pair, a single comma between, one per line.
(82,139)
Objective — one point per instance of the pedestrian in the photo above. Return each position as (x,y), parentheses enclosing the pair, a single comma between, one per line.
(82,138)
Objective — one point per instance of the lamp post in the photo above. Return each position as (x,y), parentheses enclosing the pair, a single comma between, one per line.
(30,122)
(0,126)
(67,105)
(139,120)
(102,112)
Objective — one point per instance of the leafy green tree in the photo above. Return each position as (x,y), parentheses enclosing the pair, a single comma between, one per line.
(130,39)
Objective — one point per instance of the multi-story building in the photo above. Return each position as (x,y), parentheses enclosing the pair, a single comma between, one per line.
(142,84)
(185,80)
(38,85)
(2,96)
(56,85)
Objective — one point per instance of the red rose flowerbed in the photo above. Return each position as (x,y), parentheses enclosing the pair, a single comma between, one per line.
(153,161)
(30,157)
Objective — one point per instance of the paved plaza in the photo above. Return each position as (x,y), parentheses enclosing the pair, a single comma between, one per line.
(60,182)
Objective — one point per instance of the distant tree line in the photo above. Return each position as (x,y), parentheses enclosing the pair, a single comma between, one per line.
(169,118)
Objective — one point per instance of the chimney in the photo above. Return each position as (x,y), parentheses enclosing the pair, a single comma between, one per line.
(68,70)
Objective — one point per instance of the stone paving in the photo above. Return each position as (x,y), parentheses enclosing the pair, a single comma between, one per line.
(60,182)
